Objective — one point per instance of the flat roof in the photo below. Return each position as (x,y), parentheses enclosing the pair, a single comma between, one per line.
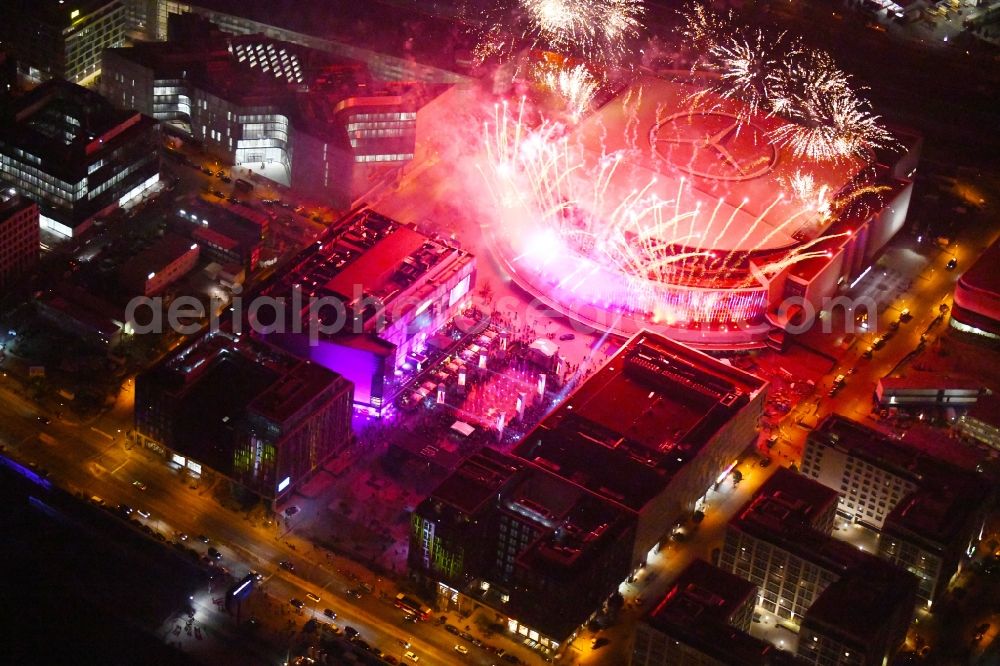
(476,481)
(66,127)
(218,380)
(162,254)
(856,605)
(939,516)
(373,270)
(928,472)
(697,610)
(366,255)
(782,513)
(633,424)
(384,27)
(293,391)
(702,593)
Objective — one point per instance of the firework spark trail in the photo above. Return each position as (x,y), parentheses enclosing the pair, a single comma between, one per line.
(771,75)
(575,86)
(599,31)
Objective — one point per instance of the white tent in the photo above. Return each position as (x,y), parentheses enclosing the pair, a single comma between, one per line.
(462,428)
(545,347)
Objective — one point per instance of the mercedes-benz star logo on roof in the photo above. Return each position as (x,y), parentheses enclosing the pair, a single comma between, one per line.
(713,145)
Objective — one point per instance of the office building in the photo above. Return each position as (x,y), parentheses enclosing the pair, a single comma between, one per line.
(653,430)
(151,271)
(982,421)
(934,531)
(519,540)
(385,290)
(79,313)
(396,42)
(780,541)
(77,156)
(703,620)
(18,237)
(299,115)
(53,39)
(248,412)
(917,391)
(861,619)
(929,512)
(232,235)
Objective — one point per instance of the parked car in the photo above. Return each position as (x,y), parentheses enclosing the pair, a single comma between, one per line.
(298,603)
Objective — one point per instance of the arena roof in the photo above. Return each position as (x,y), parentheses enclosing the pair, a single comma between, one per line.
(715,159)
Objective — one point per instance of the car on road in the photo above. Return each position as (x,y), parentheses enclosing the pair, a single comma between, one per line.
(181,536)
(202,538)
(226,179)
(461,649)
(291,511)
(765,462)
(312,597)
(298,603)
(214,553)
(329,613)
(44,420)
(411,656)
(868,352)
(220,173)
(206,171)
(143,513)
(124,509)
(350,632)
(286,565)
(451,629)
(904,315)
(567,336)
(219,193)
(355,593)
(599,642)
(952,263)
(139,484)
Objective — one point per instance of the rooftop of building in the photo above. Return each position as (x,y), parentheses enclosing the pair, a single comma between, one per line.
(11,202)
(697,610)
(64,127)
(916,379)
(639,419)
(89,310)
(248,69)
(927,472)
(783,512)
(396,29)
(218,380)
(367,258)
(289,394)
(856,606)
(576,524)
(161,255)
(472,486)
(58,13)
(986,409)
(702,593)
(224,226)
(939,516)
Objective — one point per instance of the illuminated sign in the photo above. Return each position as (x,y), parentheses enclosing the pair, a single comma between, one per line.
(284,484)
(73,14)
(180,460)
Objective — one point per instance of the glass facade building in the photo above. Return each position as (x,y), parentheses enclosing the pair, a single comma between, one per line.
(63,40)
(74,154)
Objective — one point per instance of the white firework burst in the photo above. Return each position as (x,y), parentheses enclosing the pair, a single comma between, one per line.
(575,86)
